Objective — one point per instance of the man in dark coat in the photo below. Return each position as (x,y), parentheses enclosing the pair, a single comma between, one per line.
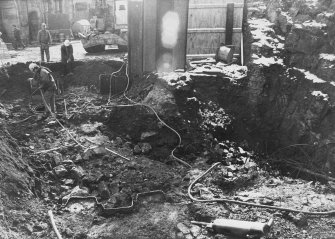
(17,38)
(67,57)
(44,38)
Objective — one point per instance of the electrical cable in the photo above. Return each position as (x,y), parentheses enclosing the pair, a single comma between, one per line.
(157,116)
(223,200)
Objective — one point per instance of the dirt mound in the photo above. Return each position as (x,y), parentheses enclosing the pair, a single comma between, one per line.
(14,179)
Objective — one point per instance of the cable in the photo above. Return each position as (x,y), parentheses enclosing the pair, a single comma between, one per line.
(223,200)
(110,81)
(153,110)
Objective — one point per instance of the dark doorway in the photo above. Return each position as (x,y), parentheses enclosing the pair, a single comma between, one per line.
(33,22)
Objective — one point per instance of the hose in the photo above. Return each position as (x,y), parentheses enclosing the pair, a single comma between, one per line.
(224,200)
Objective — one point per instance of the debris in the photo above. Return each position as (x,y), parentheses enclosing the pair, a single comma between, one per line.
(90,129)
(118,141)
(68,232)
(231,168)
(28,228)
(103,190)
(69,182)
(56,158)
(137,149)
(266,201)
(146,148)
(41,227)
(146,135)
(100,151)
(182,228)
(60,171)
(78,172)
(195,230)
(300,220)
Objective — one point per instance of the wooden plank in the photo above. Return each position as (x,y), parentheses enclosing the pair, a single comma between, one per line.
(163,53)
(211,30)
(149,35)
(203,18)
(229,24)
(216,1)
(179,52)
(238,17)
(204,43)
(194,56)
(135,20)
(206,6)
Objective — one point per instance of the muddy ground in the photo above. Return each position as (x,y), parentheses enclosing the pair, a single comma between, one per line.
(97,157)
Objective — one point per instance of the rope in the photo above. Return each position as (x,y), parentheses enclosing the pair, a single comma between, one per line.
(223,200)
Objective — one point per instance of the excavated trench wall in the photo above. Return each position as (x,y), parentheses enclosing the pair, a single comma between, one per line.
(86,74)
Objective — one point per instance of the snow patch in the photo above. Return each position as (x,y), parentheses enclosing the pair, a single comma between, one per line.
(268,61)
(314,24)
(328,57)
(310,76)
(318,93)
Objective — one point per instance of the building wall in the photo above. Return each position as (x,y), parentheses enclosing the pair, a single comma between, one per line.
(29,14)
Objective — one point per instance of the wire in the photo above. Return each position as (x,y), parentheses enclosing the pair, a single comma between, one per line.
(154,111)
(223,200)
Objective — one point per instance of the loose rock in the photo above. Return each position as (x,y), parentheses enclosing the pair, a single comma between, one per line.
(60,171)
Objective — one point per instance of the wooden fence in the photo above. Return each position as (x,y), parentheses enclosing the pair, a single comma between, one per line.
(214,22)
(202,25)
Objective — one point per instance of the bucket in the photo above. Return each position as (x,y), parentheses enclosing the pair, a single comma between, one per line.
(225,54)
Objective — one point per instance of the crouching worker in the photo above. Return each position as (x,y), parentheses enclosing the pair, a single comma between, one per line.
(45,83)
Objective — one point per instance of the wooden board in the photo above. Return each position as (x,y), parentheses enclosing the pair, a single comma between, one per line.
(179,51)
(149,35)
(135,19)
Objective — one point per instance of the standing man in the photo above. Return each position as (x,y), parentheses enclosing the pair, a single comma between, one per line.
(17,38)
(44,38)
(46,83)
(67,57)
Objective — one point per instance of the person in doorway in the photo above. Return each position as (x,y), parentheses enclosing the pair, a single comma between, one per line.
(44,39)
(17,38)
(67,57)
(46,84)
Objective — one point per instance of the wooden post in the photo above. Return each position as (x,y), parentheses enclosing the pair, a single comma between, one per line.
(135,38)
(179,52)
(149,35)
(229,24)
(163,54)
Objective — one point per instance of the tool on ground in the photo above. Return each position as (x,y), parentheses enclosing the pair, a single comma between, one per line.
(238,227)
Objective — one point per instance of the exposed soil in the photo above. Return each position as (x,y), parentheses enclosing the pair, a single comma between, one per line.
(40,181)
(115,165)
